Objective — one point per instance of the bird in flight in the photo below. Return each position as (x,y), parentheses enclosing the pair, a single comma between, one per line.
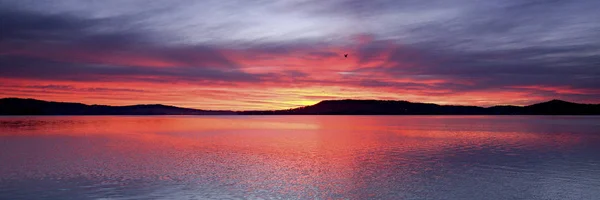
(346,55)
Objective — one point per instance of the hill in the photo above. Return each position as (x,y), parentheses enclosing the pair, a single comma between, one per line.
(18,106)
(377,107)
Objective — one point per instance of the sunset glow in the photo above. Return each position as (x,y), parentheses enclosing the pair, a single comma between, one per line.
(286,54)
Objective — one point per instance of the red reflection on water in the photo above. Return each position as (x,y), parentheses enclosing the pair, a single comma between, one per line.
(334,154)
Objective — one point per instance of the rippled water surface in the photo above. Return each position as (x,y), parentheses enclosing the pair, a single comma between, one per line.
(300,157)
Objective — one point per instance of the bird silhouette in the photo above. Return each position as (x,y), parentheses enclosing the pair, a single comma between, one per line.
(346,55)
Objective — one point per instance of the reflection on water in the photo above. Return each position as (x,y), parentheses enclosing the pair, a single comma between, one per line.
(300,157)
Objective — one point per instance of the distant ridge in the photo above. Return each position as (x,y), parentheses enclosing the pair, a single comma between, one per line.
(388,107)
(19,106)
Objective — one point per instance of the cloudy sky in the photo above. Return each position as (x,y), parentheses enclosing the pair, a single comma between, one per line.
(268,54)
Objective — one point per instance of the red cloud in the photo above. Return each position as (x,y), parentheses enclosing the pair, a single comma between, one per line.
(275,78)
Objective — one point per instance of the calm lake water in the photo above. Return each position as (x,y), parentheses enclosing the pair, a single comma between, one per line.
(300,157)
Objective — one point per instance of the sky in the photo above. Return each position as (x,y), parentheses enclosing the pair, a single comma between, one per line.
(268,54)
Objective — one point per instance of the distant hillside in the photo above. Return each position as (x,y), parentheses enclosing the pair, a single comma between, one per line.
(17,106)
(559,107)
(377,107)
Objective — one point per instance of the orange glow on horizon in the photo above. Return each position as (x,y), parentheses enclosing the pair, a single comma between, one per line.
(278,81)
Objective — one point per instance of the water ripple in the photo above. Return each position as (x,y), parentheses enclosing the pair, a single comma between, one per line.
(299,157)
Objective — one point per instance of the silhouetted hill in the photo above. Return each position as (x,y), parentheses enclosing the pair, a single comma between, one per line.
(377,107)
(17,106)
(559,107)
(505,110)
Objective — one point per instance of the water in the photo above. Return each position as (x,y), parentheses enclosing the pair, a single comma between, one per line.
(300,157)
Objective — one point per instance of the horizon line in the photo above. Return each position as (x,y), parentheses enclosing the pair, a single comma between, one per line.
(346,99)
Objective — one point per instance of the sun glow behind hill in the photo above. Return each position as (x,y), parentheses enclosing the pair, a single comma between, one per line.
(262,55)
